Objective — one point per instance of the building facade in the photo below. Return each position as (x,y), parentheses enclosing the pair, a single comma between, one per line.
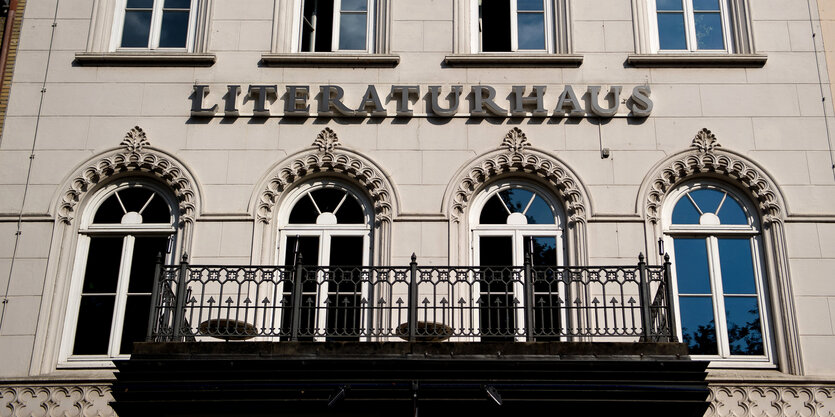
(512,139)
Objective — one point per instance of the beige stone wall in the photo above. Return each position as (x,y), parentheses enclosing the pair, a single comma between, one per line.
(771,115)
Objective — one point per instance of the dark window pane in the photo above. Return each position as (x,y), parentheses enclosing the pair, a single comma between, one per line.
(493,212)
(103,260)
(732,213)
(668,5)
(702,5)
(109,211)
(531,31)
(177,4)
(744,334)
(685,212)
(698,328)
(544,250)
(709,34)
(707,200)
(346,250)
(691,266)
(327,198)
(157,211)
(135,326)
(145,250)
(304,212)
(174,31)
(140,4)
(324,24)
(350,212)
(352,32)
(737,266)
(496,250)
(671,31)
(343,322)
(134,198)
(495,25)
(308,249)
(530,5)
(540,212)
(137,29)
(355,5)
(92,331)
(516,199)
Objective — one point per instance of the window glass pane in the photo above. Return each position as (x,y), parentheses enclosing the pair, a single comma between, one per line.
(709,31)
(140,4)
(304,211)
(669,5)
(493,212)
(157,211)
(134,198)
(732,212)
(350,212)
(174,30)
(516,199)
(737,266)
(685,212)
(352,32)
(531,31)
(145,250)
(346,250)
(328,198)
(744,334)
(137,29)
(707,200)
(177,4)
(530,5)
(544,250)
(109,211)
(671,31)
(135,326)
(103,261)
(692,273)
(698,328)
(495,25)
(495,250)
(355,5)
(540,212)
(308,249)
(701,5)
(92,331)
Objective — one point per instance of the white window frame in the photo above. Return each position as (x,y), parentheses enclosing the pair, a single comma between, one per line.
(128,232)
(476,29)
(518,234)
(690,30)
(156,26)
(324,232)
(370,28)
(712,234)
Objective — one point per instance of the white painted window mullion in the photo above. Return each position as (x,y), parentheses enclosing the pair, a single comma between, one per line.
(121,295)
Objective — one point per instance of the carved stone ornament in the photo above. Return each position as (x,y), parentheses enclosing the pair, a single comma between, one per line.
(532,162)
(705,141)
(134,156)
(346,163)
(515,141)
(326,141)
(713,161)
(67,400)
(771,401)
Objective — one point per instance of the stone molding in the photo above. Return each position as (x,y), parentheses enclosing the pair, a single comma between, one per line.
(768,400)
(56,400)
(135,155)
(516,156)
(325,157)
(706,157)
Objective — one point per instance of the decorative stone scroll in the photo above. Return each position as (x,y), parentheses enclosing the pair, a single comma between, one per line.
(135,155)
(56,400)
(771,401)
(324,157)
(516,156)
(707,158)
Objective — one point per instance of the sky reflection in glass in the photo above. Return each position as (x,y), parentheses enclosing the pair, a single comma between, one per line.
(531,31)
(698,327)
(744,333)
(691,266)
(352,31)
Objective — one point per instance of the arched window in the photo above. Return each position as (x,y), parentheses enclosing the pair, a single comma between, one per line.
(511,221)
(716,246)
(326,226)
(124,227)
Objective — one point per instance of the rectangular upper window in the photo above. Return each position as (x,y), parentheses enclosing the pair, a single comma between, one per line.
(515,25)
(337,26)
(691,26)
(155,25)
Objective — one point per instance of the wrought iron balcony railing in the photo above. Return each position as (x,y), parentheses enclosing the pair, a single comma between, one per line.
(412,303)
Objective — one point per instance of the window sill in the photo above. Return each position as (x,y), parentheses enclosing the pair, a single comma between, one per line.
(144,59)
(697,60)
(513,60)
(305,59)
